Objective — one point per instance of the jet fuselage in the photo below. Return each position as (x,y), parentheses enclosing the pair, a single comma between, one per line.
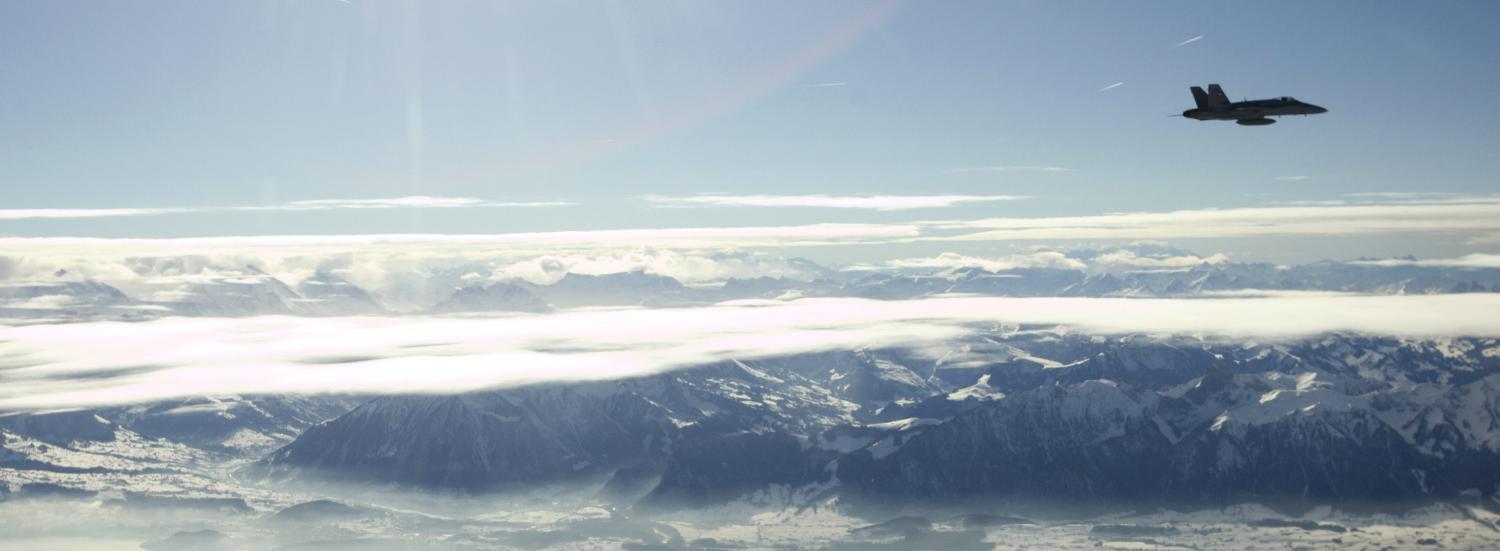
(1214,105)
(1255,109)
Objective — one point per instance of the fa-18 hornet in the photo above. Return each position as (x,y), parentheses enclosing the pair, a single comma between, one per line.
(1213,105)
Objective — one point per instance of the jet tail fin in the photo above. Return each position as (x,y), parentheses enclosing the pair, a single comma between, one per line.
(1216,95)
(1201,98)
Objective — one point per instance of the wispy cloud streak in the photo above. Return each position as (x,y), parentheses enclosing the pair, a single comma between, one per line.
(451,244)
(414,201)
(866,202)
(1112,87)
(1404,195)
(1007,168)
(24,214)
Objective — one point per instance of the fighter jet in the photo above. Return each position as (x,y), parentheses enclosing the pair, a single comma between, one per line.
(1215,106)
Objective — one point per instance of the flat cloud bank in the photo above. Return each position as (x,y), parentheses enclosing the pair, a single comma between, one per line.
(107,363)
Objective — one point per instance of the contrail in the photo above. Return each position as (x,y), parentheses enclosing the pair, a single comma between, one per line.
(1111,87)
(1186,42)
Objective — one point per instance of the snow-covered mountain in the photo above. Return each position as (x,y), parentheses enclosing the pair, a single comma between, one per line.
(237,426)
(1006,412)
(618,289)
(1039,421)
(1205,279)
(532,436)
(1072,418)
(495,297)
(325,294)
(70,300)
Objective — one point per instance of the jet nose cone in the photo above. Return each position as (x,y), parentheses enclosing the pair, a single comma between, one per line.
(1317,109)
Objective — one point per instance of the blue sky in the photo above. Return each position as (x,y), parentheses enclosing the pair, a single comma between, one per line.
(209,105)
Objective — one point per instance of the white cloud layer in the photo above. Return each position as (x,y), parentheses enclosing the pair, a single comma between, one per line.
(1477,216)
(949,260)
(1467,216)
(687,267)
(688,254)
(866,202)
(1121,258)
(415,270)
(1129,258)
(89,364)
(1467,261)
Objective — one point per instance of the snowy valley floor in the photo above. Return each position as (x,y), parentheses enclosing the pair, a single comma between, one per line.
(206,512)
